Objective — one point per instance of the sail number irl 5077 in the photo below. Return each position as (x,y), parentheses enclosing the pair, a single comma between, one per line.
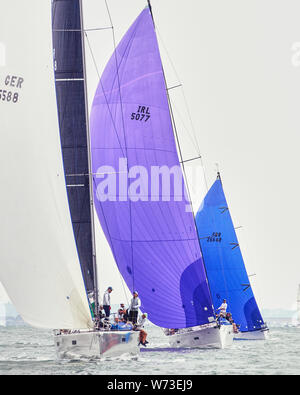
(12,83)
(142,114)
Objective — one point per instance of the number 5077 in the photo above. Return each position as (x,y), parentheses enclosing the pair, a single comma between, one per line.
(140,117)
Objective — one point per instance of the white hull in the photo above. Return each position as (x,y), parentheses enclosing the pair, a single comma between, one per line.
(211,337)
(257,335)
(96,344)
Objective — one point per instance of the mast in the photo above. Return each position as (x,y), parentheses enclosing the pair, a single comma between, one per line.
(218,172)
(96,287)
(150,8)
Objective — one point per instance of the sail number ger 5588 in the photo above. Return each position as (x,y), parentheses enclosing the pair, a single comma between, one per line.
(8,93)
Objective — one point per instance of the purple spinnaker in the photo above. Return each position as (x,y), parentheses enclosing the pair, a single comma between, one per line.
(154,243)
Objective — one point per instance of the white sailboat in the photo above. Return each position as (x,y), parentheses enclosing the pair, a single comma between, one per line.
(47,253)
(203,336)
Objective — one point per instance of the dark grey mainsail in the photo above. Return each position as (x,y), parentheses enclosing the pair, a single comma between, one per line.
(69,66)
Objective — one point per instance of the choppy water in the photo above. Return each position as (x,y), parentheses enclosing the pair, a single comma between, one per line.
(26,351)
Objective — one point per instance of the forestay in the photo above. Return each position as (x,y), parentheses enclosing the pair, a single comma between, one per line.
(153,238)
(39,264)
(226,272)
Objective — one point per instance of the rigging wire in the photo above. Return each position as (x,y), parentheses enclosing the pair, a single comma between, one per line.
(180,85)
(103,91)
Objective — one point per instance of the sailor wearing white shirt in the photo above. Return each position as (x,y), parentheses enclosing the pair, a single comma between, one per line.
(106,301)
(141,321)
(223,309)
(134,307)
(139,327)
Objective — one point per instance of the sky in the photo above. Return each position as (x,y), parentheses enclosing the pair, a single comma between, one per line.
(239,65)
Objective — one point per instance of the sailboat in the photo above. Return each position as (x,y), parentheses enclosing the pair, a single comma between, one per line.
(150,228)
(226,272)
(48,262)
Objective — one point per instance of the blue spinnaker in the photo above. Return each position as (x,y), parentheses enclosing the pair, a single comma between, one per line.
(226,272)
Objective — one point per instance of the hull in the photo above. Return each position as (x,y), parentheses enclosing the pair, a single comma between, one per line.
(210,337)
(257,335)
(96,344)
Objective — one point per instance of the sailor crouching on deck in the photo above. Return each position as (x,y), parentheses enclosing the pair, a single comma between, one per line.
(121,311)
(139,327)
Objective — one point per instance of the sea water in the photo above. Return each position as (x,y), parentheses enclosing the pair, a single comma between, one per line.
(27,351)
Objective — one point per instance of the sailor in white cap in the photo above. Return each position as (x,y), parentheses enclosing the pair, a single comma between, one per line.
(135,304)
(106,301)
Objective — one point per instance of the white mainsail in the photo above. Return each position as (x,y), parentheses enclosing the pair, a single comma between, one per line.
(39,265)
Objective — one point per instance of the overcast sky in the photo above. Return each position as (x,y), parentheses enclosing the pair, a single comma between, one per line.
(239,65)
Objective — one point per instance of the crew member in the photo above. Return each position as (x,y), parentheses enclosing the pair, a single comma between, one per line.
(106,301)
(223,309)
(134,307)
(122,312)
(139,327)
